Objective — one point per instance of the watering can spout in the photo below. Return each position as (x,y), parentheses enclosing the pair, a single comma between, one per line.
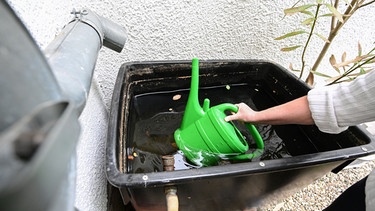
(193,110)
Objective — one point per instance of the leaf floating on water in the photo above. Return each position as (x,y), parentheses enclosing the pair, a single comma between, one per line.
(176,97)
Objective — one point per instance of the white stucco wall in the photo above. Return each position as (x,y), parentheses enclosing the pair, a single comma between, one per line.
(174,30)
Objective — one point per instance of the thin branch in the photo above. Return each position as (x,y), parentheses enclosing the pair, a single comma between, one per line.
(349,11)
(333,19)
(308,39)
(351,70)
(354,67)
(296,3)
(368,3)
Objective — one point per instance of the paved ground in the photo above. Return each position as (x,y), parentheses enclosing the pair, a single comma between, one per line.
(323,191)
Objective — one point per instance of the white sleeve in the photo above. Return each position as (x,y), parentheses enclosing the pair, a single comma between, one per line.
(336,107)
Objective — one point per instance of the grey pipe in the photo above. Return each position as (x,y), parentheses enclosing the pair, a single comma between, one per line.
(40,105)
(111,34)
(73,54)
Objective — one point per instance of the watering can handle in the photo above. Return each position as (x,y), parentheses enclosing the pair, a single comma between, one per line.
(253,131)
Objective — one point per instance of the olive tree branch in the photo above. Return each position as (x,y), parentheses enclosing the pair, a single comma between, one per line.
(333,19)
(368,3)
(352,69)
(308,40)
(348,13)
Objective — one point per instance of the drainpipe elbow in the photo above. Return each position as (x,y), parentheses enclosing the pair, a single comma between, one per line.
(112,35)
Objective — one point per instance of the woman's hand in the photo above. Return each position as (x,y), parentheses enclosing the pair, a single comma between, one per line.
(293,112)
(244,113)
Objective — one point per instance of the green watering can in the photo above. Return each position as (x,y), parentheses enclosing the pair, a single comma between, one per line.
(205,137)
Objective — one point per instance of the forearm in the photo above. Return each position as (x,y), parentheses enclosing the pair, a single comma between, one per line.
(293,112)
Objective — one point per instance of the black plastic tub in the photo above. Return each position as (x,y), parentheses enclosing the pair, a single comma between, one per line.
(147,106)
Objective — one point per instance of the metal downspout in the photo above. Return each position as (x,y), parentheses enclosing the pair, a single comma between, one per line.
(41,101)
(74,52)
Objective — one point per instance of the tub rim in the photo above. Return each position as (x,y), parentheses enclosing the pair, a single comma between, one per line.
(120,180)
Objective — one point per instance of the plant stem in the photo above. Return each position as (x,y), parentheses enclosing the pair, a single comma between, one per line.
(354,67)
(363,5)
(351,70)
(348,13)
(308,40)
(333,20)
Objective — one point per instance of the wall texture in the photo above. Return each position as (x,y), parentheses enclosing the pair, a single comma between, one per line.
(172,30)
(175,30)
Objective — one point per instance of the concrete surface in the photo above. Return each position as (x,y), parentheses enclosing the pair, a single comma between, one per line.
(174,30)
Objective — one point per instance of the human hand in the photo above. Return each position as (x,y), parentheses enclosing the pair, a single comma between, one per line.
(244,113)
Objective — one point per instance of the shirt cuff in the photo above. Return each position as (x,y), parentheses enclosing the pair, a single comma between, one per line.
(322,109)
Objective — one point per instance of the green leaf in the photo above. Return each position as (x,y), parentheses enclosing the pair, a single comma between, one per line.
(321,74)
(293,10)
(322,37)
(362,70)
(352,76)
(326,15)
(290,48)
(291,34)
(307,13)
(335,12)
(308,21)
